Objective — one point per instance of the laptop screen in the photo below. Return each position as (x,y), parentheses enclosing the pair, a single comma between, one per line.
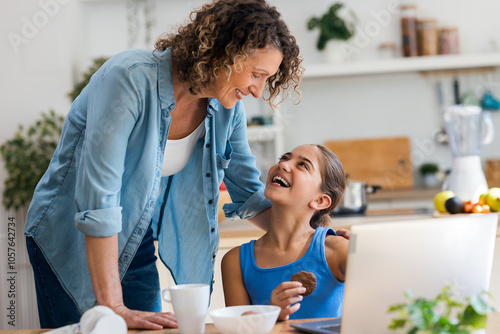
(387,259)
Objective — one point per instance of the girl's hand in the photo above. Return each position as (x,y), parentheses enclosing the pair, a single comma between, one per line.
(145,320)
(286,294)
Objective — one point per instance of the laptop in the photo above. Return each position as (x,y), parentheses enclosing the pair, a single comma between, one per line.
(387,259)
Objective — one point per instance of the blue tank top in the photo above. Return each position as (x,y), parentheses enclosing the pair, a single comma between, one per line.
(325,301)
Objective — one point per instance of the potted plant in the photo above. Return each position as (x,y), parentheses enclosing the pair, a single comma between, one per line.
(443,314)
(429,172)
(333,27)
(27,156)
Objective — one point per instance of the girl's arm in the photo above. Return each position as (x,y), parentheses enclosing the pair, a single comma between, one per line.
(232,280)
(284,295)
(336,249)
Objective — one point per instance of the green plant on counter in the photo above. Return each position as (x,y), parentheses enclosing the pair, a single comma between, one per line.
(428,168)
(27,157)
(332,26)
(442,315)
(79,86)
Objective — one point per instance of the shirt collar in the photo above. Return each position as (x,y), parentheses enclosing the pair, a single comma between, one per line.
(165,82)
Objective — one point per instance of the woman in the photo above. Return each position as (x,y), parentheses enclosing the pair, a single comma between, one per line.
(142,153)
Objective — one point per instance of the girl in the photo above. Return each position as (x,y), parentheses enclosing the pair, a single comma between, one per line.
(303,187)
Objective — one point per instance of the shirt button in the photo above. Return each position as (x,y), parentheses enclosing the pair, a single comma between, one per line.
(208,174)
(212,230)
(207,145)
(213,256)
(210,201)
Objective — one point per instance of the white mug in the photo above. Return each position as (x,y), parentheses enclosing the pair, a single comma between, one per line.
(190,302)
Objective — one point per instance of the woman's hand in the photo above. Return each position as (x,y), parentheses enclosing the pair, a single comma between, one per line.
(286,294)
(145,320)
(342,232)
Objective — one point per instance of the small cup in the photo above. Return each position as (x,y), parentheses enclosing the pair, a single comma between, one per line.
(190,303)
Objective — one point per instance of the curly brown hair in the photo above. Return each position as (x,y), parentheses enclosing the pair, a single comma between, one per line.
(226,30)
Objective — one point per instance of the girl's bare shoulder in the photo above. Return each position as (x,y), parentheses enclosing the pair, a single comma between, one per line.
(336,243)
(232,256)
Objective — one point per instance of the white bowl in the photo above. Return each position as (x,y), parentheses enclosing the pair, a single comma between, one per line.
(229,320)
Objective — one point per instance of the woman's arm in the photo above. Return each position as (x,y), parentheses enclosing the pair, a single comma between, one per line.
(102,259)
(235,292)
(241,177)
(262,219)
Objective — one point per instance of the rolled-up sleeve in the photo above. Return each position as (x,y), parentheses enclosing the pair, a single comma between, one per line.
(253,205)
(99,223)
(242,176)
(112,109)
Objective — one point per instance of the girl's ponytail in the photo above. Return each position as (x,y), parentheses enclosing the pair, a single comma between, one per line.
(333,184)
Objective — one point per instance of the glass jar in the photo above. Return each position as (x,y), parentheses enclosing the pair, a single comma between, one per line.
(448,41)
(409,30)
(427,33)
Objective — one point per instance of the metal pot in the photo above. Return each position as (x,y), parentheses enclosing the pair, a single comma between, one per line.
(354,200)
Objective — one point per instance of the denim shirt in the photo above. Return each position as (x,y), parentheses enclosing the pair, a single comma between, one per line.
(105,177)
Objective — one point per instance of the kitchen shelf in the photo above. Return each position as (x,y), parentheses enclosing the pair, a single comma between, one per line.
(400,65)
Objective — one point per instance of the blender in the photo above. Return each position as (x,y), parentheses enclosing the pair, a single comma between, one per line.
(468,128)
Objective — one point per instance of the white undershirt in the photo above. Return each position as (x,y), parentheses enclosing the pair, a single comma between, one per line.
(178,151)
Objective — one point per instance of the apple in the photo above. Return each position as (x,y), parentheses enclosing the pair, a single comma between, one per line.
(441,198)
(493,199)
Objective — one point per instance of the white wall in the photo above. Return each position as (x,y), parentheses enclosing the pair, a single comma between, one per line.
(60,37)
(36,75)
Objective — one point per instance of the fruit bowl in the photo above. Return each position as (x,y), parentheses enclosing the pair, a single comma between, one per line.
(229,320)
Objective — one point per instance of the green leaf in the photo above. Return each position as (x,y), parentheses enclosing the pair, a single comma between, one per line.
(396,307)
(27,156)
(332,26)
(397,324)
(474,319)
(444,314)
(479,304)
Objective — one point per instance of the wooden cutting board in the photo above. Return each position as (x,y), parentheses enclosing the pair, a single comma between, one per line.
(378,161)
